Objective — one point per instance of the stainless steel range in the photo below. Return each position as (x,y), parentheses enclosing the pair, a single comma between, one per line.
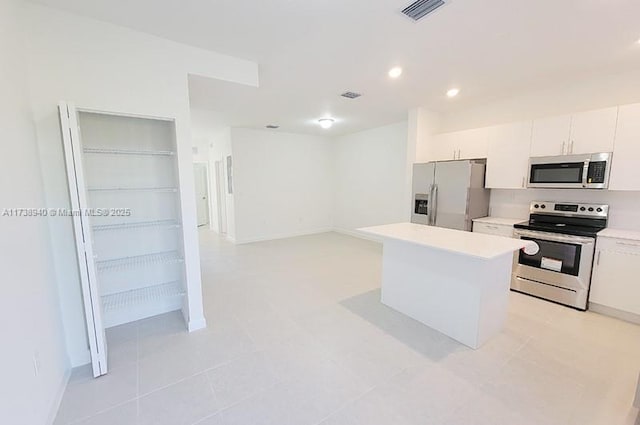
(566,234)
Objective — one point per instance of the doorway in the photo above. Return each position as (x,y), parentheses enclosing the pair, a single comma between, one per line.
(221,198)
(201,178)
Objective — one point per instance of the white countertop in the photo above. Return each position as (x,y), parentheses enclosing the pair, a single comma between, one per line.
(632,235)
(499,220)
(456,241)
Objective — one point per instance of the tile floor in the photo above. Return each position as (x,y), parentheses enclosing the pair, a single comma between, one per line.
(297,336)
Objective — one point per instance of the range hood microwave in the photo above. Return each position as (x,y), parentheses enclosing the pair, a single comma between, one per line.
(590,171)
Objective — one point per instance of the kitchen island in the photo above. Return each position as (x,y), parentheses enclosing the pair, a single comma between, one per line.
(453,281)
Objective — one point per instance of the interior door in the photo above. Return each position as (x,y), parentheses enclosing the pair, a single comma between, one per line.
(452,181)
(83,237)
(202,193)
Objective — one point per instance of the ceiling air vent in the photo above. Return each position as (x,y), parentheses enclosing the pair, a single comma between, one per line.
(421,8)
(272,126)
(350,95)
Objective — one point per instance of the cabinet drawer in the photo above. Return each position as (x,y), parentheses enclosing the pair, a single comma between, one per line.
(620,245)
(493,229)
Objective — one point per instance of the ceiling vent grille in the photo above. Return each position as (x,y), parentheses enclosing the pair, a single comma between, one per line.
(421,8)
(351,95)
(272,126)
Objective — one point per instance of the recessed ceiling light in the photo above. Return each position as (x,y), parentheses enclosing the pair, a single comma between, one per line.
(453,92)
(395,72)
(326,122)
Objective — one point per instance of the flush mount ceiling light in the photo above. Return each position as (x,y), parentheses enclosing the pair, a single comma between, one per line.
(326,123)
(453,92)
(395,72)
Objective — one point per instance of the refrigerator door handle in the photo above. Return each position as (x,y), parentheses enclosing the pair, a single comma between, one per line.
(434,204)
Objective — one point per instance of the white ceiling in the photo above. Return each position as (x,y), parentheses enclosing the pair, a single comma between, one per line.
(311,51)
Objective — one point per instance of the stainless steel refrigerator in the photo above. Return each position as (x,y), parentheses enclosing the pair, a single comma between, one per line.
(449,193)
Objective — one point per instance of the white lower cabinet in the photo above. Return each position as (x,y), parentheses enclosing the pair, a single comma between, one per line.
(494,226)
(615,283)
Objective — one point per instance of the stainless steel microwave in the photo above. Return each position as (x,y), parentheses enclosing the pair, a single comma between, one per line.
(589,171)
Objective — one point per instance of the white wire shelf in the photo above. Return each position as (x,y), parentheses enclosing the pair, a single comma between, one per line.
(133,189)
(127,152)
(168,257)
(137,225)
(137,297)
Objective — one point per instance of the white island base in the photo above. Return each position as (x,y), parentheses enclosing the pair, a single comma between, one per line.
(453,281)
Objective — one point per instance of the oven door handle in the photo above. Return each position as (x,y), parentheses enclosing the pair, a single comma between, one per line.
(554,237)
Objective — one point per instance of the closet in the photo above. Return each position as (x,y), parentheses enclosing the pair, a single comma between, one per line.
(125,198)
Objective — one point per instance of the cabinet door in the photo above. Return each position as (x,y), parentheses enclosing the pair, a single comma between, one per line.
(615,280)
(550,136)
(508,156)
(472,144)
(625,173)
(593,131)
(443,147)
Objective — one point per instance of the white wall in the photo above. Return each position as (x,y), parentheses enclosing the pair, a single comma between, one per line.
(109,68)
(578,94)
(30,322)
(370,177)
(282,184)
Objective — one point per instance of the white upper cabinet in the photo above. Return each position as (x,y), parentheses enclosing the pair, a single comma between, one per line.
(625,172)
(584,132)
(466,144)
(593,131)
(443,147)
(551,136)
(473,144)
(508,155)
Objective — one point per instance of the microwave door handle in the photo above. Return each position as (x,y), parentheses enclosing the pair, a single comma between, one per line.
(585,173)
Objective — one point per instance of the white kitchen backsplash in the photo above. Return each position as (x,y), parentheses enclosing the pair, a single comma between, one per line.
(624,207)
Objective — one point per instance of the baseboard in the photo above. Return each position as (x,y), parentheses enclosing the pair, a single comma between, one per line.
(284,235)
(613,312)
(55,404)
(357,234)
(195,325)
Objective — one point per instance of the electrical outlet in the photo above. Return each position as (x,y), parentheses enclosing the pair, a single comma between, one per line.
(36,364)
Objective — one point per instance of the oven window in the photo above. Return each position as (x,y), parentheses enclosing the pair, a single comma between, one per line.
(558,257)
(567,172)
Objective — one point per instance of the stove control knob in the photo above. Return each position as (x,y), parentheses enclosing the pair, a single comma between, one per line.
(536,206)
(583,209)
(590,209)
(599,209)
(543,206)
